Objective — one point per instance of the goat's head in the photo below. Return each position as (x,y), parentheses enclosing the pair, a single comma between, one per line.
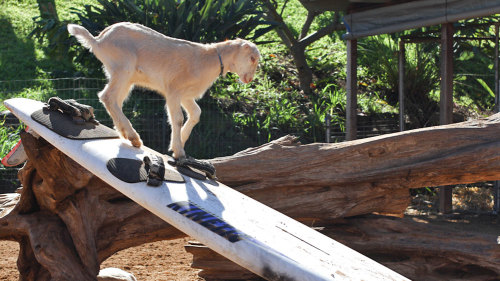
(246,60)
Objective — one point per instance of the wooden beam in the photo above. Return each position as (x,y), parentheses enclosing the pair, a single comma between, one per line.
(352,89)
(446,101)
(446,98)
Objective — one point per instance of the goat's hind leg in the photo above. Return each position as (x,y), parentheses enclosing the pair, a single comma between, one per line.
(113,96)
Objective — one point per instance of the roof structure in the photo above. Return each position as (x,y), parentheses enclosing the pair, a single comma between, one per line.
(372,17)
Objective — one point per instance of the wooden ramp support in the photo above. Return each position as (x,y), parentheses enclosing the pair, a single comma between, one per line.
(68,221)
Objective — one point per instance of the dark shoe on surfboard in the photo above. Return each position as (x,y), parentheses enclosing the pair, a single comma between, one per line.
(194,168)
(151,170)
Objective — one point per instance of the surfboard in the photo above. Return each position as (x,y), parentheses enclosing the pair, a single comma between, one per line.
(245,231)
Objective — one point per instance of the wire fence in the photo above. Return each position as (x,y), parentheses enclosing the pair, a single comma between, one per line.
(145,110)
(216,134)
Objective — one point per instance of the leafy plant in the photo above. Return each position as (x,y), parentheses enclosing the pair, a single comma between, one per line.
(200,21)
(486,87)
(331,101)
(421,76)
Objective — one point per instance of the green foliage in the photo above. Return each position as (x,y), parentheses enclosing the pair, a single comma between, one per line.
(9,136)
(331,101)
(474,74)
(272,105)
(486,87)
(473,59)
(380,55)
(198,21)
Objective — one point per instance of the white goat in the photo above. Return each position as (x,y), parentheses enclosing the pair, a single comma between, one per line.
(179,70)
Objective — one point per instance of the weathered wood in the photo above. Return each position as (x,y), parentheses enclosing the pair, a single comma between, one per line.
(418,250)
(68,221)
(216,267)
(326,181)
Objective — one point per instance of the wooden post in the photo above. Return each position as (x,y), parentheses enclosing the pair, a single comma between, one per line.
(401,86)
(446,101)
(352,89)
(497,82)
(328,125)
(496,189)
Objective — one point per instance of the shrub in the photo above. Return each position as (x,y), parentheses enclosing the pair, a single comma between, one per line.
(199,21)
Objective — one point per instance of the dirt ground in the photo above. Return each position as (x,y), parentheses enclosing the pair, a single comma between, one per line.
(168,261)
(159,261)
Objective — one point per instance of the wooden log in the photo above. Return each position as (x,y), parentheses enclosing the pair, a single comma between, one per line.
(216,267)
(67,221)
(323,181)
(419,250)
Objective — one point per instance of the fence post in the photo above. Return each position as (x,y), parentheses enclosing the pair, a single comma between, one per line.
(401,86)
(352,90)
(496,186)
(446,102)
(328,127)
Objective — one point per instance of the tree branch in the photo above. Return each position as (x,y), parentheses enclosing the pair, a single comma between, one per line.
(283,31)
(311,15)
(334,26)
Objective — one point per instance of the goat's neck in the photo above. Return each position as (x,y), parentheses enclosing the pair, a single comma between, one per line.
(226,51)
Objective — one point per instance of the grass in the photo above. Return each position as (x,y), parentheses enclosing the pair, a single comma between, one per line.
(23,58)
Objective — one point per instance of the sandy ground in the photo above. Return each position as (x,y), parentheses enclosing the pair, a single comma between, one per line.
(159,261)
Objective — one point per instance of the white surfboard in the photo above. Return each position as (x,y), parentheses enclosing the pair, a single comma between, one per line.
(243,230)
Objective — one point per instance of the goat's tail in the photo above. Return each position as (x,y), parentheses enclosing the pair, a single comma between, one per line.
(82,35)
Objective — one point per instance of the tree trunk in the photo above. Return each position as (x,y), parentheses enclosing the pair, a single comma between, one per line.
(304,72)
(68,221)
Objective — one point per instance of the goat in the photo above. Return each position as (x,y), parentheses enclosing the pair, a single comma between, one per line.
(180,70)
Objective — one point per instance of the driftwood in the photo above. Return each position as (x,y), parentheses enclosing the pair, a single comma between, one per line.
(68,221)
(323,181)
(419,250)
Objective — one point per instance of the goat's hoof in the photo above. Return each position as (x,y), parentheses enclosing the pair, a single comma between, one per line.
(136,142)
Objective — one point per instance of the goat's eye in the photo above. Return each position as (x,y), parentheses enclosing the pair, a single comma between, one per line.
(252,59)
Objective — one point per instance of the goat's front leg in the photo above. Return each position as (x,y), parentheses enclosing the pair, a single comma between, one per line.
(112,96)
(176,119)
(193,111)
